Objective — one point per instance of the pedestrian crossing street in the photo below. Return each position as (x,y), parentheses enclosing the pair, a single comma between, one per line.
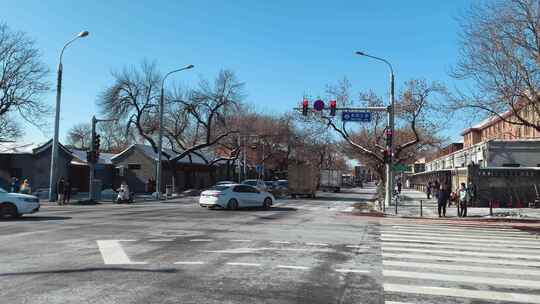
(466,263)
(330,206)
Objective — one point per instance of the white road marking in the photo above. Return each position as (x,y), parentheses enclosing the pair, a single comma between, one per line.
(161,240)
(461,278)
(280,242)
(245,264)
(348,209)
(451,246)
(189,263)
(394,302)
(510,271)
(501,261)
(444,240)
(113,253)
(252,250)
(463,293)
(475,240)
(201,240)
(493,231)
(358,246)
(241,241)
(292,267)
(316,244)
(462,253)
(352,270)
(461,236)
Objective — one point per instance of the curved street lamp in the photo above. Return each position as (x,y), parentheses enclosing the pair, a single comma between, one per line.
(54,154)
(160,141)
(389,175)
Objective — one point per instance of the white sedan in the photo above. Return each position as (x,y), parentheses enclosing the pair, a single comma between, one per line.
(234,196)
(15,204)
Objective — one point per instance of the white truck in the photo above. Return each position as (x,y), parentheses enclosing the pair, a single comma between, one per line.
(330,180)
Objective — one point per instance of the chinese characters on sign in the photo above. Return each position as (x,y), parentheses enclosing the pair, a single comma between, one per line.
(356,116)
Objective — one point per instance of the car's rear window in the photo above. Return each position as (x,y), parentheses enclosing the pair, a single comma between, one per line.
(251,183)
(219,188)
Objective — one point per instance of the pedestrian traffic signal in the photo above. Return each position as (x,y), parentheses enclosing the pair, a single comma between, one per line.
(305,105)
(388,134)
(333,105)
(386,156)
(97,143)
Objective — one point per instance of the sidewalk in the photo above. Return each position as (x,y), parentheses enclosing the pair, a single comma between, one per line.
(409,206)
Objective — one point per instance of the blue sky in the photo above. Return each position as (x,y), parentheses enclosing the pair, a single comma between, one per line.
(279,48)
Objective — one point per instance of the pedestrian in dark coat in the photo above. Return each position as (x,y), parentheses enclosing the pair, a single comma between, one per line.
(60,190)
(67,191)
(428,190)
(442,200)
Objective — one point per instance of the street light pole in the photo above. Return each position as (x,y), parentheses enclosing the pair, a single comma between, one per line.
(54,153)
(391,124)
(160,141)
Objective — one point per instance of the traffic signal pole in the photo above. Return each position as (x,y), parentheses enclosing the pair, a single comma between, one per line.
(91,162)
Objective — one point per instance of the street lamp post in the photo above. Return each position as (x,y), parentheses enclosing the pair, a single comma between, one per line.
(160,141)
(391,112)
(54,154)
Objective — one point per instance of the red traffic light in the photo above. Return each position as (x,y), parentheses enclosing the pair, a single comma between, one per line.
(305,105)
(333,105)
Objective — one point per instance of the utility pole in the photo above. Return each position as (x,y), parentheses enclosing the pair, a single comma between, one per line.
(54,152)
(391,112)
(92,156)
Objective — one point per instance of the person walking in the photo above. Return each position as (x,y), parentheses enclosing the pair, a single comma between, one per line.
(428,190)
(442,199)
(464,197)
(14,185)
(67,191)
(399,185)
(60,190)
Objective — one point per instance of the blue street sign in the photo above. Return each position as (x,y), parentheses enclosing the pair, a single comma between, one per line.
(356,116)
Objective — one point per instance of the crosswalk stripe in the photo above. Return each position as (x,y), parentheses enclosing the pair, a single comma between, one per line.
(460,259)
(501,249)
(462,236)
(394,302)
(459,242)
(497,270)
(469,253)
(476,240)
(463,293)
(491,233)
(454,225)
(493,230)
(461,278)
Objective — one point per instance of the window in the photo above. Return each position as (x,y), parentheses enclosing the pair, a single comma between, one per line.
(242,189)
(134,166)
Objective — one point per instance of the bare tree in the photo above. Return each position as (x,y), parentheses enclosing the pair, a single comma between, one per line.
(133,98)
(418,118)
(500,54)
(80,136)
(200,118)
(22,83)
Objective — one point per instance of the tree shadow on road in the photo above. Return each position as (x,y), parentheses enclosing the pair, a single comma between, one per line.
(82,270)
(36,219)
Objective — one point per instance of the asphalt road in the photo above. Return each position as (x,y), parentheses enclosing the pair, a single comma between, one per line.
(300,251)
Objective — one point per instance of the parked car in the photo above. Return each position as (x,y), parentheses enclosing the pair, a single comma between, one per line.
(234,196)
(225,183)
(255,183)
(14,205)
(281,188)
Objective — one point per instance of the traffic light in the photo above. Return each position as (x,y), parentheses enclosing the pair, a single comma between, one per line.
(386,156)
(333,105)
(388,138)
(97,143)
(305,105)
